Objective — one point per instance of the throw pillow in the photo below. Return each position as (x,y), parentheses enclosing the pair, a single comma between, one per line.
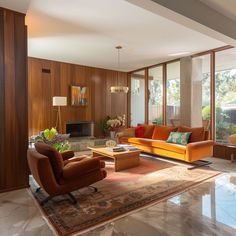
(149,131)
(139,131)
(179,138)
(198,134)
(162,132)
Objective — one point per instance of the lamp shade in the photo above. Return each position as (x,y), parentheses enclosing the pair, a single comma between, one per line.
(59,101)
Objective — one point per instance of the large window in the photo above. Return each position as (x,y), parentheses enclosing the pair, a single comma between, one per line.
(137,98)
(173,93)
(155,87)
(225,94)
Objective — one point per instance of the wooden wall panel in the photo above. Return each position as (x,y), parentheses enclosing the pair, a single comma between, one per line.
(13,105)
(42,87)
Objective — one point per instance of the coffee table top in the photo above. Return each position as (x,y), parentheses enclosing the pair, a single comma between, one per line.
(106,152)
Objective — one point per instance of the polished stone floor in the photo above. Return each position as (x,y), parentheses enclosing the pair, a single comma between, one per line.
(207,209)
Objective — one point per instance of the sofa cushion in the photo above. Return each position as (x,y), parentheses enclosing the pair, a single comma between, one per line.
(162,132)
(179,137)
(140,141)
(158,144)
(149,131)
(198,134)
(139,131)
(54,157)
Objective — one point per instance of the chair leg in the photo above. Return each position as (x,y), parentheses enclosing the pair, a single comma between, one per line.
(46,200)
(94,188)
(199,163)
(72,198)
(37,189)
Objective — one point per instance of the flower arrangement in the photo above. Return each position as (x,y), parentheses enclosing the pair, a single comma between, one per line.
(116,122)
(52,138)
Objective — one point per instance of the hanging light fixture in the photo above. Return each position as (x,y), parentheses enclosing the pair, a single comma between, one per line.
(119,89)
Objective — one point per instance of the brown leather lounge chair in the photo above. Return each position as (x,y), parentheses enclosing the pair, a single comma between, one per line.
(58,174)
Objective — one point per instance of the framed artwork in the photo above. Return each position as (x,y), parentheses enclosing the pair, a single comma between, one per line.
(79,96)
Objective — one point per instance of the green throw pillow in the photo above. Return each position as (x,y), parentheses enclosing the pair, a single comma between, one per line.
(179,137)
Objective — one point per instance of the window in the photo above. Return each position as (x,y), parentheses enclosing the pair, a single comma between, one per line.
(155,87)
(173,93)
(225,94)
(137,98)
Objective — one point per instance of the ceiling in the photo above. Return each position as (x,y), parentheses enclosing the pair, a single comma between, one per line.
(225,7)
(87,31)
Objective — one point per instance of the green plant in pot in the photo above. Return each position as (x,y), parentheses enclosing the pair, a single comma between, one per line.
(54,139)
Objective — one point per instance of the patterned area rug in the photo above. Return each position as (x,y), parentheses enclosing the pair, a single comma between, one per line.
(120,193)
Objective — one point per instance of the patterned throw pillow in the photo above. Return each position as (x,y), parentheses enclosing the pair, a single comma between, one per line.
(179,137)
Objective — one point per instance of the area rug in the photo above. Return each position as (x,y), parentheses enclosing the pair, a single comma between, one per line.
(120,193)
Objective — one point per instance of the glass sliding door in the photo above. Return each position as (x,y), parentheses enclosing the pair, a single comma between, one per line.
(173,93)
(201,76)
(225,94)
(155,88)
(137,98)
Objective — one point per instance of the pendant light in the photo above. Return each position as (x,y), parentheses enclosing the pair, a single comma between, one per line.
(119,89)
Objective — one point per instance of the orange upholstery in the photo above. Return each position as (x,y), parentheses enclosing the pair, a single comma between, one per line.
(197,134)
(158,144)
(162,132)
(54,157)
(148,131)
(76,173)
(191,152)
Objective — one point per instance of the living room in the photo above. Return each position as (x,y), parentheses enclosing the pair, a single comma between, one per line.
(117,117)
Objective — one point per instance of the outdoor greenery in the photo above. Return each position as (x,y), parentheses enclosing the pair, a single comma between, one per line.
(225,94)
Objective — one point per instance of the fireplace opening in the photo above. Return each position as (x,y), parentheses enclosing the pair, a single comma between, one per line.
(80,129)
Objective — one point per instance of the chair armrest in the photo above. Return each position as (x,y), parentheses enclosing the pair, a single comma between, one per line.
(79,168)
(199,150)
(67,155)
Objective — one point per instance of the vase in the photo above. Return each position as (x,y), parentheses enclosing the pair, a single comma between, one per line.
(112,134)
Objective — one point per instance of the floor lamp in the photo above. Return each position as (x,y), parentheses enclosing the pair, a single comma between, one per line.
(59,102)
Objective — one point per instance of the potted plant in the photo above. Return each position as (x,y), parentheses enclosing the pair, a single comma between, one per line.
(54,139)
(114,124)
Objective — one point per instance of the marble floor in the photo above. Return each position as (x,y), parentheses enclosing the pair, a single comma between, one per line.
(207,209)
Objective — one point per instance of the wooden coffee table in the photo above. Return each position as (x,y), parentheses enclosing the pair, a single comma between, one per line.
(123,160)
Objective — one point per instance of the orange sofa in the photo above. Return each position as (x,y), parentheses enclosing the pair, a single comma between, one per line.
(154,141)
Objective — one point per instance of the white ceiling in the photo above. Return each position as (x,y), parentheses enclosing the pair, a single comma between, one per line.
(87,31)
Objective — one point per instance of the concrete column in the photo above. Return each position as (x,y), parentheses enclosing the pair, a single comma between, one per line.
(191,92)
(185,91)
(196,116)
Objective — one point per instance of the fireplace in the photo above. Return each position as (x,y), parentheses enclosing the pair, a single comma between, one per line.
(80,129)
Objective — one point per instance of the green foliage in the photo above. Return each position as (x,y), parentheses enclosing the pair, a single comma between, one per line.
(49,134)
(61,147)
(52,138)
(103,125)
(157,121)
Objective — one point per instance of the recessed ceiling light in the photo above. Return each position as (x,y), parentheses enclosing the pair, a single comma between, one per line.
(178,54)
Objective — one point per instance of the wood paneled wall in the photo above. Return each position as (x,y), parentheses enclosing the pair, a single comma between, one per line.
(13,101)
(43,86)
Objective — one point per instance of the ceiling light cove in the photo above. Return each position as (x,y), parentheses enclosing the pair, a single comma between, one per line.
(179,54)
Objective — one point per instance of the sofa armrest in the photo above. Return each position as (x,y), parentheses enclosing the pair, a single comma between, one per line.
(129,132)
(199,150)
(67,155)
(78,168)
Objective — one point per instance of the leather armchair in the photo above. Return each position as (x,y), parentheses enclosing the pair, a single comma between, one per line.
(61,173)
